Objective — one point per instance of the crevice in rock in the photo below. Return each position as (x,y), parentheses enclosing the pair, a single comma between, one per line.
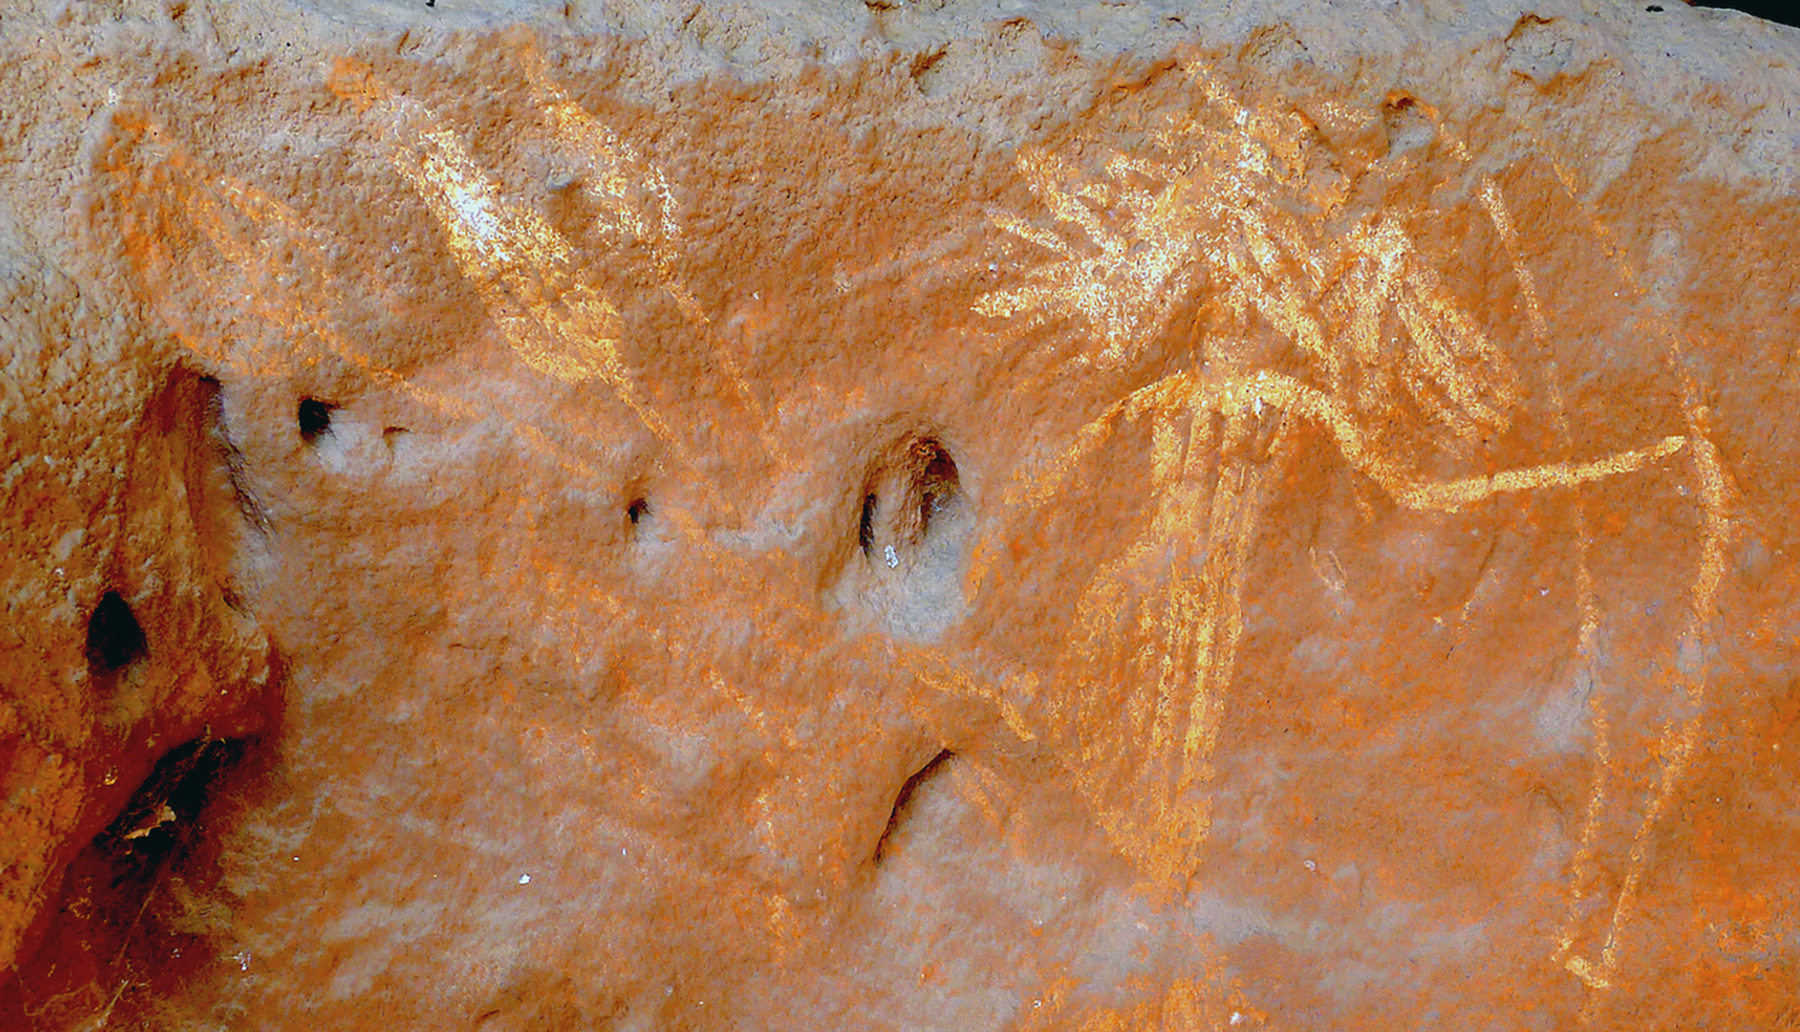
(938,486)
(225,455)
(865,530)
(904,804)
(157,823)
(139,911)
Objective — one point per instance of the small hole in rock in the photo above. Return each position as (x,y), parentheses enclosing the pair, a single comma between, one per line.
(315,419)
(638,511)
(114,638)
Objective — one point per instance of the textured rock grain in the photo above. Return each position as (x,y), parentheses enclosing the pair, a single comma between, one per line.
(947,515)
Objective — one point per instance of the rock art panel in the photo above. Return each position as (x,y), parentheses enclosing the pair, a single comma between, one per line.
(885,518)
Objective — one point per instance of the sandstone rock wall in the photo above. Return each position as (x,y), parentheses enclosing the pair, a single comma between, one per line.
(931,515)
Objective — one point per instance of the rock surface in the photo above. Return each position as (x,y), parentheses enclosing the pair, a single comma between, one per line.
(898,515)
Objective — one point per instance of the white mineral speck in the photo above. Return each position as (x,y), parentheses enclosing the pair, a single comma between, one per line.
(524,879)
(892,559)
